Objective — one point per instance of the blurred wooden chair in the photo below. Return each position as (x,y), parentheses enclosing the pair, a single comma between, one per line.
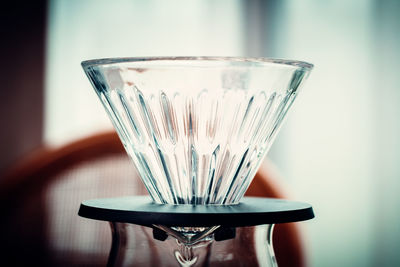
(41,195)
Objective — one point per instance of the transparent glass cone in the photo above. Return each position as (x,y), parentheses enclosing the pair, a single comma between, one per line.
(197,129)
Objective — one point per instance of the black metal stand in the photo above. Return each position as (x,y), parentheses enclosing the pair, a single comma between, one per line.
(141,210)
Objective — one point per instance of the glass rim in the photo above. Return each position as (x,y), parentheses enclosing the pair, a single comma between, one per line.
(260,60)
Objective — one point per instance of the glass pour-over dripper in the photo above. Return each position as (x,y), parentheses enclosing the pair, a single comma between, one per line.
(197,128)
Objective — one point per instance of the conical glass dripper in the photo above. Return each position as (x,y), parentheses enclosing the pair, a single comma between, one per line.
(197,128)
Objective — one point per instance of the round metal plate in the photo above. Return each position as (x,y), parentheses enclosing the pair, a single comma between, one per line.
(142,210)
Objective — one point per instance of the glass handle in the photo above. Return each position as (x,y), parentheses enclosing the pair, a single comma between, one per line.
(265,250)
